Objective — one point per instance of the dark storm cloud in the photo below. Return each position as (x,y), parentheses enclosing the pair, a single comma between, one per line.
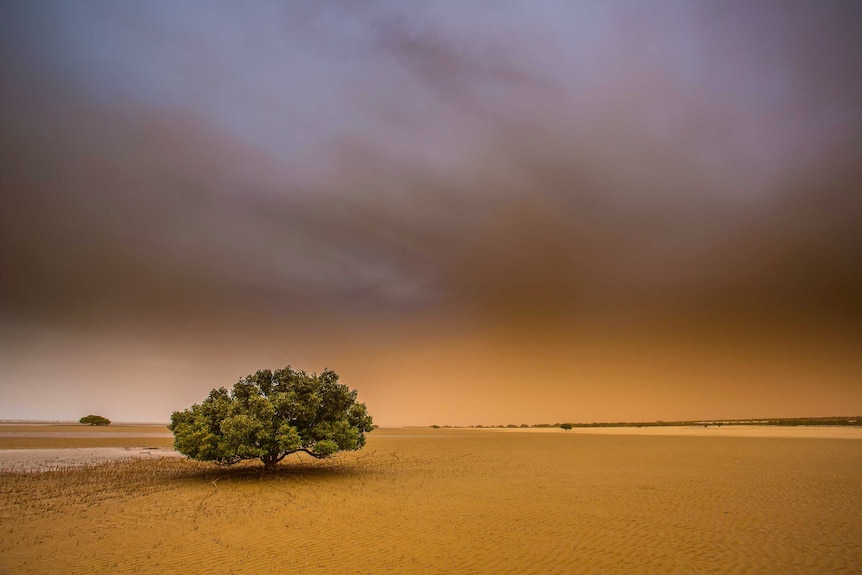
(500,160)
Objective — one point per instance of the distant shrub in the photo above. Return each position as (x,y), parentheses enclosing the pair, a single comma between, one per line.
(435,427)
(566,426)
(94,420)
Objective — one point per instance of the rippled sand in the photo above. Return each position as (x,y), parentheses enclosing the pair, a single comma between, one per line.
(457,501)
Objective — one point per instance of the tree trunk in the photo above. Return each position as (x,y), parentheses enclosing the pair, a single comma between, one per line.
(269,462)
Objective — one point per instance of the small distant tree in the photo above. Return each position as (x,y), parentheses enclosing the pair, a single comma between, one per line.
(94,420)
(566,426)
(271,414)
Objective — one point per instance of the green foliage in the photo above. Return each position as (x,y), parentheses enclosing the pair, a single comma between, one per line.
(94,420)
(271,414)
(566,426)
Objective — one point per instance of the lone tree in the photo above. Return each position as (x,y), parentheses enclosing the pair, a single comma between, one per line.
(566,426)
(94,420)
(271,414)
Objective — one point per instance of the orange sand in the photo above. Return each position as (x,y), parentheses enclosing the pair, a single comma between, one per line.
(456,501)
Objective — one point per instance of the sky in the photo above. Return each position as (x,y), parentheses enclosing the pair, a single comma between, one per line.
(478,212)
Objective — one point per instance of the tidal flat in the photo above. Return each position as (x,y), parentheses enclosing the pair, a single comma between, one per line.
(454,501)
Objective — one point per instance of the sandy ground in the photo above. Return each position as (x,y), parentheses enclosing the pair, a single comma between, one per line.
(31,460)
(56,436)
(66,434)
(456,501)
(777,431)
(30,447)
(16,440)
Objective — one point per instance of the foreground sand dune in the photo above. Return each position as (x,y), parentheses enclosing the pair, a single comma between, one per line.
(456,501)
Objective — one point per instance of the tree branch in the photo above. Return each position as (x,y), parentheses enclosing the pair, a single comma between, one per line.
(304,450)
(228,461)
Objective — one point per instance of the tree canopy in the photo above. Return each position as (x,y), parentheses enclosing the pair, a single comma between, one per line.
(94,420)
(271,414)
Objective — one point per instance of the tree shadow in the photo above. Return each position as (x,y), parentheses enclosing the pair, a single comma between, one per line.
(298,468)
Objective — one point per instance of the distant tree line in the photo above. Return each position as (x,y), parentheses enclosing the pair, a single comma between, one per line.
(784,421)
